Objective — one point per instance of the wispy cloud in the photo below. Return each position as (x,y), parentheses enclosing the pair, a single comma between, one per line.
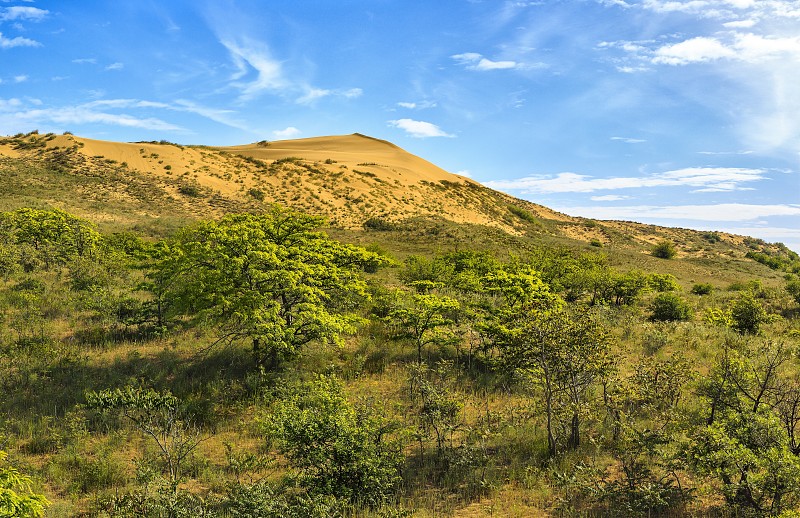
(717,212)
(628,140)
(84,61)
(609,197)
(19,41)
(115,66)
(419,105)
(19,12)
(289,132)
(419,129)
(253,58)
(312,94)
(475,61)
(20,78)
(702,179)
(16,113)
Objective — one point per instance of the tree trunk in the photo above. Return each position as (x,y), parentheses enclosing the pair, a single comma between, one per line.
(575,435)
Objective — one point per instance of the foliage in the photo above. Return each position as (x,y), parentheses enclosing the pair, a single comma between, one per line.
(662,282)
(667,307)
(560,354)
(702,289)
(664,250)
(793,287)
(16,498)
(340,450)
(748,314)
(424,319)
(522,214)
(269,278)
(159,416)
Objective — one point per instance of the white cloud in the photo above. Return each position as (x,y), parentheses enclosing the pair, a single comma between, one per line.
(314,94)
(609,197)
(251,56)
(289,132)
(718,212)
(23,13)
(740,24)
(115,66)
(20,78)
(419,129)
(82,61)
(19,41)
(704,179)
(475,61)
(628,140)
(465,172)
(695,50)
(420,105)
(352,93)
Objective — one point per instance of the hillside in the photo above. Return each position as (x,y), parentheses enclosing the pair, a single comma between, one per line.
(349,179)
(391,366)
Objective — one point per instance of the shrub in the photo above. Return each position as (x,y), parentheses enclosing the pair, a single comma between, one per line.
(340,450)
(664,250)
(379,224)
(522,214)
(748,314)
(793,287)
(663,282)
(256,193)
(702,289)
(596,242)
(668,307)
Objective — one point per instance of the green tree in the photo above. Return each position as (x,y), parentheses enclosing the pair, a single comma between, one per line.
(424,319)
(159,416)
(560,354)
(52,237)
(16,498)
(340,450)
(269,278)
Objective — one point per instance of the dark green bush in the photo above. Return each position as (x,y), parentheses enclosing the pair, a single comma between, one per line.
(664,250)
(702,289)
(668,307)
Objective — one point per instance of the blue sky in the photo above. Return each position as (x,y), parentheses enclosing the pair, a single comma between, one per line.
(673,112)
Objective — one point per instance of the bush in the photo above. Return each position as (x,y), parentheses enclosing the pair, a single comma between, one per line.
(664,250)
(748,314)
(340,450)
(793,287)
(522,214)
(668,307)
(702,289)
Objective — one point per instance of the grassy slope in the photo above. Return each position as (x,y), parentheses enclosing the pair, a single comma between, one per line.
(147,199)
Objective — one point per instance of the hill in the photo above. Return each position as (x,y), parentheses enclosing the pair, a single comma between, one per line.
(352,180)
(441,349)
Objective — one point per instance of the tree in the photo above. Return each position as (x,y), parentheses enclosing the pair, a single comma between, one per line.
(52,237)
(424,319)
(16,498)
(560,354)
(159,416)
(664,250)
(269,278)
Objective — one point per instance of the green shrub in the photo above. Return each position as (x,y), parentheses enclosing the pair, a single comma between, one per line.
(702,289)
(522,214)
(340,450)
(793,287)
(748,314)
(258,194)
(664,250)
(668,307)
